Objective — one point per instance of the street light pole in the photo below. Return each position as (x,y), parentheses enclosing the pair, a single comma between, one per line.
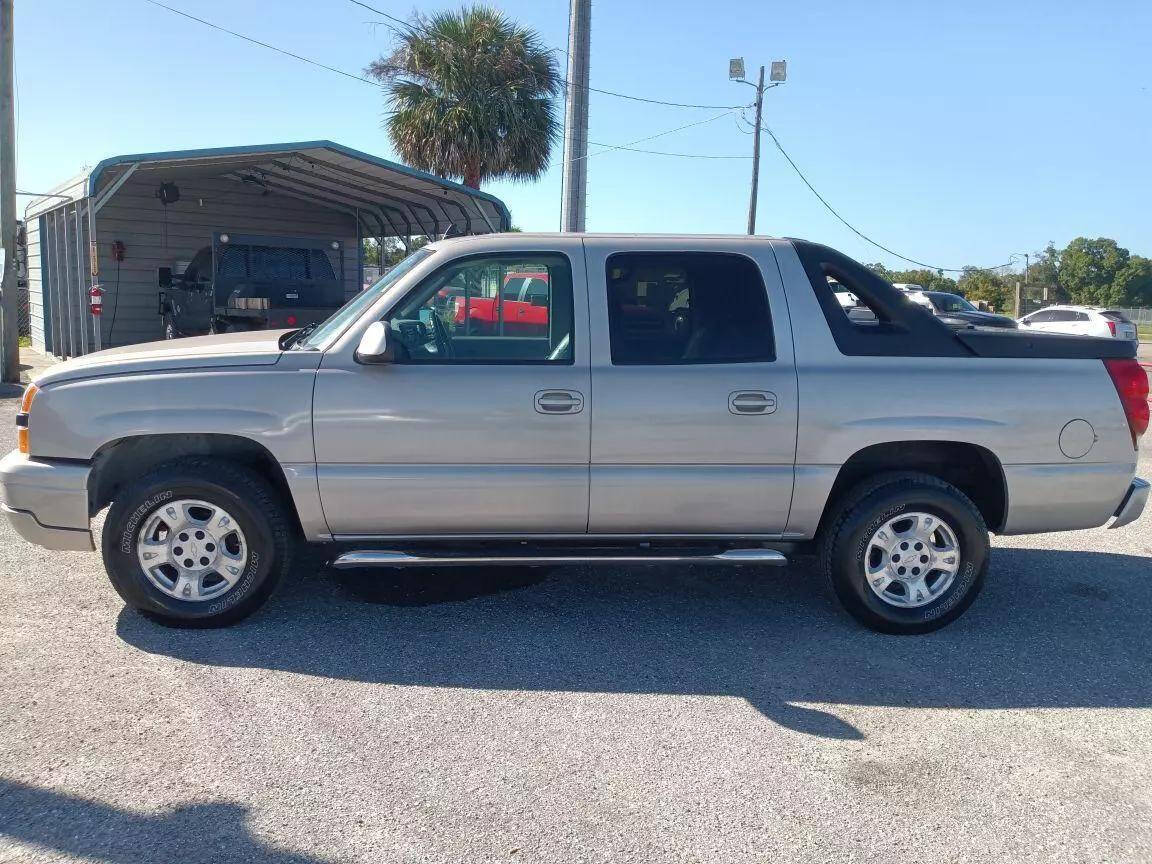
(756,155)
(778,76)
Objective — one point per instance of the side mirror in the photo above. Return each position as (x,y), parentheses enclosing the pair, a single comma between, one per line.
(1025,323)
(373,347)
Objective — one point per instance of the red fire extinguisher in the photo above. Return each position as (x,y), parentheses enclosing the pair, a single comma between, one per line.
(96,300)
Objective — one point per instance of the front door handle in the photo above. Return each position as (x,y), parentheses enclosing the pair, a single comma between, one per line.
(559,402)
(751,402)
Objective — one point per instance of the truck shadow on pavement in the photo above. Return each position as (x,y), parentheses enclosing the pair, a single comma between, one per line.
(1053,628)
(214,832)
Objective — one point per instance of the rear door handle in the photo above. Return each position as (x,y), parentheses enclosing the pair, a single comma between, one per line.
(559,402)
(752,402)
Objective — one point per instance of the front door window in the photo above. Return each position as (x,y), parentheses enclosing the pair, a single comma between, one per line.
(489,309)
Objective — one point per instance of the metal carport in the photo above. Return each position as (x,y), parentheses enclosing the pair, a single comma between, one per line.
(312,188)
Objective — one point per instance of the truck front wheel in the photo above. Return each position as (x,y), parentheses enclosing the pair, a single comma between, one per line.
(905,553)
(197,542)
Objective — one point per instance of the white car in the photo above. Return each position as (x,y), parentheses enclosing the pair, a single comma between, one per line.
(1081,321)
(846,298)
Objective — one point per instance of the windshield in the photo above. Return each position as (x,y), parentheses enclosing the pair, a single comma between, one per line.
(950,303)
(351,310)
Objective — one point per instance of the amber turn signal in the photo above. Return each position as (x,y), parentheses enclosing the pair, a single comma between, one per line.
(22,418)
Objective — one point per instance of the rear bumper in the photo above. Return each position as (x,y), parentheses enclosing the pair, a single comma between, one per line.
(1066,496)
(1132,505)
(46,501)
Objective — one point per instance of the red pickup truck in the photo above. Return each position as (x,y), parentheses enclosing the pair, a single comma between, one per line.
(520,310)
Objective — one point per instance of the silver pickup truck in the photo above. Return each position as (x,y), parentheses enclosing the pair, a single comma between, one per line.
(656,399)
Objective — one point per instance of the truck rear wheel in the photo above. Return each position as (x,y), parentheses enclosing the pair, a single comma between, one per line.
(197,542)
(905,553)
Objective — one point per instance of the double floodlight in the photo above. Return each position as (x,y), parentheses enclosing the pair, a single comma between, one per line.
(779,72)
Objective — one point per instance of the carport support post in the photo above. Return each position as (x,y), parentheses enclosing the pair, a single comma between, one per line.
(9,301)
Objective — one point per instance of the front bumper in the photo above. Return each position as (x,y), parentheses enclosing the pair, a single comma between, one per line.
(1132,505)
(46,501)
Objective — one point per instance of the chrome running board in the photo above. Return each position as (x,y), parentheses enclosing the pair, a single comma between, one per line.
(389,558)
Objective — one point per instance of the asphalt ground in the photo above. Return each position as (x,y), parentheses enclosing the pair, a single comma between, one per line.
(576,714)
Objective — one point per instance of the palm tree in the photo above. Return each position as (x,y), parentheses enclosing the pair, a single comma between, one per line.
(472,96)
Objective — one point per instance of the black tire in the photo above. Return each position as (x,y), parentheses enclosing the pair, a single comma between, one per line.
(248,497)
(863,511)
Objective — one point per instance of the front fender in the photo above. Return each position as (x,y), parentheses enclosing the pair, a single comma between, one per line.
(271,405)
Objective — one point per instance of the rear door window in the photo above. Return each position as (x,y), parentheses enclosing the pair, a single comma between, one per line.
(686,308)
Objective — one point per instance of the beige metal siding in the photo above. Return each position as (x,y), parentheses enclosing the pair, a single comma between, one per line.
(35,283)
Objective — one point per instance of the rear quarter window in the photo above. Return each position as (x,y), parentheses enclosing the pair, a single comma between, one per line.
(897,325)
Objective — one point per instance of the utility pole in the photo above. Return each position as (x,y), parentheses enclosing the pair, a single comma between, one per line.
(9,302)
(779,75)
(575,195)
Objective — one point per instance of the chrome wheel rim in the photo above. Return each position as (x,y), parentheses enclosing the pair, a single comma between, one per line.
(192,550)
(912,560)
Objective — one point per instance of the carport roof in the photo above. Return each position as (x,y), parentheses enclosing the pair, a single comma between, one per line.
(393,199)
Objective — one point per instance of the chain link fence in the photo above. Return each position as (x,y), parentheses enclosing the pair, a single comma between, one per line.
(24,313)
(1142,318)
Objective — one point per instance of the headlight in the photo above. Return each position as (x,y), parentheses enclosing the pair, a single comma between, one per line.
(22,418)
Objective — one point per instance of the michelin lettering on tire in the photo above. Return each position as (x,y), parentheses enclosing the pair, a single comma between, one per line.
(955,594)
(242,588)
(127,539)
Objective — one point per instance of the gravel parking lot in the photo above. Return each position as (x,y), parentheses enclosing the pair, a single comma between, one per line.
(575,714)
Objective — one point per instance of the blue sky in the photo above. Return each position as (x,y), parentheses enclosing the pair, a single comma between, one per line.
(954,133)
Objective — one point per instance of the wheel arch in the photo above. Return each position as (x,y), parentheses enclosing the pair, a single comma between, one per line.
(125,459)
(974,470)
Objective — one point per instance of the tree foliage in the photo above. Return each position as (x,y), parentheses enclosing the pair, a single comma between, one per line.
(1133,282)
(929,280)
(990,287)
(472,96)
(1086,272)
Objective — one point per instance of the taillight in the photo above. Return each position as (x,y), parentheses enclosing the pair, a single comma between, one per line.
(290,320)
(22,418)
(1131,382)
(1112,327)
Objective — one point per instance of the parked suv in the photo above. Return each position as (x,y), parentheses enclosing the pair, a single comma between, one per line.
(690,399)
(251,283)
(1081,321)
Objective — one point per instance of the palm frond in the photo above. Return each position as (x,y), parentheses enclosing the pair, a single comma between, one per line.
(472,95)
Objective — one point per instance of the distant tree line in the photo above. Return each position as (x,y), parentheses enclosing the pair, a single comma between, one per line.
(1088,272)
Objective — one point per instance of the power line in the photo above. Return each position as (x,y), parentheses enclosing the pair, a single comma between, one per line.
(856,230)
(410,26)
(611,147)
(666,153)
(264,44)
